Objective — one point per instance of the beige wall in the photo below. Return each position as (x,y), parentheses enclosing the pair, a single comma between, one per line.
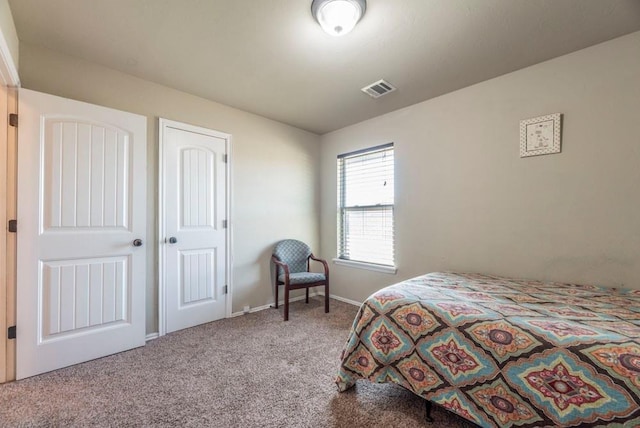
(465,199)
(275,183)
(8,30)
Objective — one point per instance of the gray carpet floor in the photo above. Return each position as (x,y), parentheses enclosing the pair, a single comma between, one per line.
(250,371)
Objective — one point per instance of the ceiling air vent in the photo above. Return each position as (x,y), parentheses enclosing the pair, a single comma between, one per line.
(378,89)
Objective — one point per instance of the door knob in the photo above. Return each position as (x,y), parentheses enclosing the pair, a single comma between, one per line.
(137,242)
(172,240)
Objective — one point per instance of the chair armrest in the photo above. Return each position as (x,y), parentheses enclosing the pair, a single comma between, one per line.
(324,262)
(282,265)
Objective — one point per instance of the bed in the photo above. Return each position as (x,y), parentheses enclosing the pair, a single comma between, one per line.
(502,352)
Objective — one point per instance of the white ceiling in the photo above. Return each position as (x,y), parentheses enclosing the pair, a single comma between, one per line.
(270,57)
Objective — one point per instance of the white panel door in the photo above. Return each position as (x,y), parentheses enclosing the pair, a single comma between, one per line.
(81,208)
(195,238)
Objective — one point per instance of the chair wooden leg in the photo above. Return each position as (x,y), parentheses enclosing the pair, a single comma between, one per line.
(286,303)
(276,295)
(307,295)
(326,298)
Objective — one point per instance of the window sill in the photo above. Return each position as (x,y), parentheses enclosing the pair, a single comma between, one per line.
(392,270)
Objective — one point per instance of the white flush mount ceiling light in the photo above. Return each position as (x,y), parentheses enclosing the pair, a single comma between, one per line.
(338,17)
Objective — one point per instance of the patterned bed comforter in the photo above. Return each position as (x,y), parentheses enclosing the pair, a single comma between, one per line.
(503,352)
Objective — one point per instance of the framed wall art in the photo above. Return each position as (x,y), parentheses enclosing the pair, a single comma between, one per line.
(541,135)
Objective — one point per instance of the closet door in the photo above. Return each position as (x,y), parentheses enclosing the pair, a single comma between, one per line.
(81,232)
(194,210)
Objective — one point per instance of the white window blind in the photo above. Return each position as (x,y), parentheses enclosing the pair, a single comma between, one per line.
(365,204)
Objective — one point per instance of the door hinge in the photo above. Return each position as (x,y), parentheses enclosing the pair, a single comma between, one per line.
(13,119)
(11,332)
(225,158)
(13,226)
(224,224)
(225,289)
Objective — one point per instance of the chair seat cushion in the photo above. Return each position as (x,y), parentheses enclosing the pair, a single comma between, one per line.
(303,277)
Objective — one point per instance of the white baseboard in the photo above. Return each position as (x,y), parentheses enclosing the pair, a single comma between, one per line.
(345,300)
(270,305)
(295,299)
(152,336)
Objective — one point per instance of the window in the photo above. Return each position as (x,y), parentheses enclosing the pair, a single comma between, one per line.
(365,205)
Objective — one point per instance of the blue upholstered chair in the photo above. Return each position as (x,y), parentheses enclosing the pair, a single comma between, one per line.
(292,259)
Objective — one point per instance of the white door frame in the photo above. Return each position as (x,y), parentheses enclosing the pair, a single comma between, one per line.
(163,124)
(10,81)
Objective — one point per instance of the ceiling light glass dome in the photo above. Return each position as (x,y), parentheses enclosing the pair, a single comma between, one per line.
(338,17)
